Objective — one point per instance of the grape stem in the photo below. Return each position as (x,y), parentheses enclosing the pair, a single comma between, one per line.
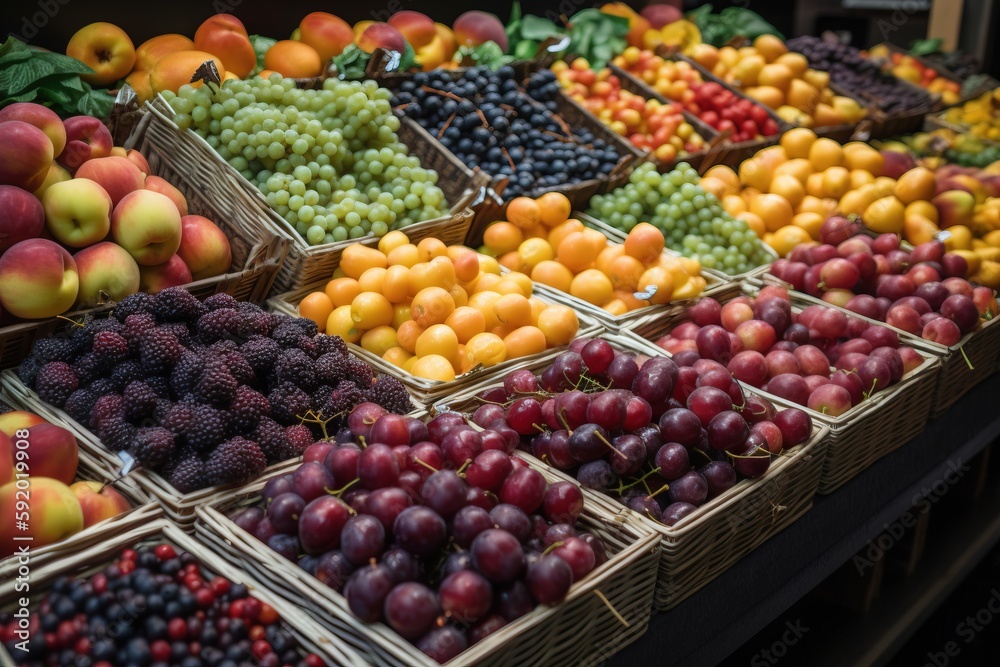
(552,547)
(609,445)
(626,487)
(339,492)
(426,464)
(660,490)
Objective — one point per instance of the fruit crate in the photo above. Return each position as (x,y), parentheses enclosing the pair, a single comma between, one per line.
(426,391)
(965,364)
(840,133)
(616,234)
(602,613)
(178,507)
(256,251)
(964,96)
(725,529)
(88,561)
(726,152)
(303,263)
(865,433)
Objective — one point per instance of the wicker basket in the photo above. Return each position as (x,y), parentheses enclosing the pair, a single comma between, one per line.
(256,251)
(177,506)
(85,562)
(603,613)
(728,527)
(304,263)
(868,431)
(428,391)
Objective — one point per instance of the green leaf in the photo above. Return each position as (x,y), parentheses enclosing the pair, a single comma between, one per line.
(95,103)
(525,49)
(488,54)
(538,28)
(408,60)
(56,95)
(60,62)
(14,50)
(924,47)
(260,46)
(26,96)
(748,23)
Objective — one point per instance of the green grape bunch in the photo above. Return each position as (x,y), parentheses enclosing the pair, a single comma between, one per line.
(692,220)
(328,161)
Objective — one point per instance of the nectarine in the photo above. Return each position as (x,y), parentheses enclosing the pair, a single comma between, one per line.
(225,36)
(326,33)
(150,51)
(176,69)
(55,513)
(106,49)
(293,59)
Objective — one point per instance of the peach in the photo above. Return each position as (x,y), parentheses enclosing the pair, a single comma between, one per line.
(381,35)
(104,48)
(99,501)
(176,69)
(38,279)
(12,422)
(44,118)
(78,211)
(418,29)
(148,225)
(55,513)
(326,33)
(86,138)
(439,50)
(293,59)
(149,52)
(660,15)
(57,174)
(475,27)
(27,154)
(117,175)
(138,159)
(172,273)
(164,187)
(204,247)
(21,216)
(107,272)
(225,36)
(52,452)
(955,207)
(360,27)
(139,82)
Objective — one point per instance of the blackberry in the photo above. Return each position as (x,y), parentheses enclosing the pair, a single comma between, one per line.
(188,475)
(159,350)
(299,437)
(344,398)
(217,301)
(217,385)
(139,401)
(130,305)
(110,347)
(229,351)
(180,330)
(296,367)
(55,381)
(288,403)
(307,345)
(258,321)
(390,393)
(327,344)
(95,325)
(28,369)
(117,434)
(236,461)
(138,324)
(163,406)
(321,395)
(55,349)
(361,373)
(129,371)
(102,386)
(153,446)
(176,304)
(80,404)
(261,353)
(247,408)
(272,439)
(107,408)
(160,385)
(331,368)
(186,374)
(221,323)
(289,329)
(200,426)
(89,367)
(178,418)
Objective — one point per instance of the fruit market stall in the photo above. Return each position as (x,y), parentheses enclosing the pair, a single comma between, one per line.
(564,341)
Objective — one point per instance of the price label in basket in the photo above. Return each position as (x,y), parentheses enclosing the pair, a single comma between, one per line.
(128,462)
(648,293)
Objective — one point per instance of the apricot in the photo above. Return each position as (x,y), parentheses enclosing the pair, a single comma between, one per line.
(149,52)
(503,237)
(644,243)
(466,322)
(176,69)
(356,259)
(325,32)
(437,339)
(592,286)
(380,340)
(341,324)
(485,349)
(139,81)
(553,274)
(317,307)
(225,36)
(432,305)
(293,59)
(433,367)
(524,341)
(370,310)
(104,48)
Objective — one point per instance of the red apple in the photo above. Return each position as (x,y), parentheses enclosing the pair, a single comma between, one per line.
(172,273)
(77,212)
(204,247)
(52,451)
(99,501)
(107,273)
(756,335)
(21,216)
(780,362)
(86,137)
(55,514)
(42,117)
(38,279)
(905,318)
(148,225)
(117,175)
(27,154)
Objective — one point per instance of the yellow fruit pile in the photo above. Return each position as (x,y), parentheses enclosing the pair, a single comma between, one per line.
(435,311)
(981,116)
(775,77)
(541,240)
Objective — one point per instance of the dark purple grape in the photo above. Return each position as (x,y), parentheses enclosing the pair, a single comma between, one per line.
(595,544)
(644,505)
(727,430)
(321,522)
(493,395)
(334,570)
(622,371)
(549,579)
(514,601)
(512,519)
(469,522)
(525,415)
(596,475)
(461,445)
(691,488)
(498,556)
(390,429)
(578,555)
(466,596)
(520,382)
(524,488)
(441,425)
(753,458)
(651,438)
(444,492)
(284,512)
(410,609)
(342,462)
(719,475)
(402,565)
(275,487)
(486,627)
(608,410)
(420,530)
(366,592)
(377,467)
(489,470)
(589,442)
(488,414)
(571,409)
(597,356)
(286,546)
(362,538)
(386,503)
(563,502)
(558,532)
(312,480)
(444,643)
(675,512)
(248,518)
(456,562)
(655,380)
(673,461)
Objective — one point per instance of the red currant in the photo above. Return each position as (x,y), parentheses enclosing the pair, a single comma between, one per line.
(160,651)
(177,629)
(165,552)
(220,586)
(267,615)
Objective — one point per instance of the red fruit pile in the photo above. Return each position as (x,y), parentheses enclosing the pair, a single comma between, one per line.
(726,111)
